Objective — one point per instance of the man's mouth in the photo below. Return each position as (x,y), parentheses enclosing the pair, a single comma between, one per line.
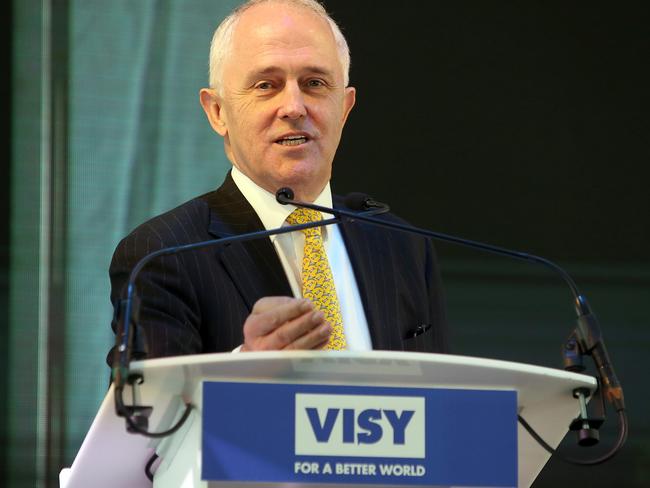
(292,140)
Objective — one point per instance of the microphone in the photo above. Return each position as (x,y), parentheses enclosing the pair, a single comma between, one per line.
(359,201)
(130,342)
(355,200)
(586,337)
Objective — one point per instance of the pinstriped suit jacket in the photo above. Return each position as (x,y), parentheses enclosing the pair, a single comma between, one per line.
(197,301)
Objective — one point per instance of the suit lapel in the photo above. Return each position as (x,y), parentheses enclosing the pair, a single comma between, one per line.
(372,263)
(253,266)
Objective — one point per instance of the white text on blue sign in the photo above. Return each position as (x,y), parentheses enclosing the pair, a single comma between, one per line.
(360,425)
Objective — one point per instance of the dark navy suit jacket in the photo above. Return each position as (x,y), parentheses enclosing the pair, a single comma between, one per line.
(197,301)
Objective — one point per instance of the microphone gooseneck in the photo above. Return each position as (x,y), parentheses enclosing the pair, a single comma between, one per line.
(130,342)
(586,337)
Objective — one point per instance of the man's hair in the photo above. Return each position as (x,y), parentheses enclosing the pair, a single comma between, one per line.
(222,39)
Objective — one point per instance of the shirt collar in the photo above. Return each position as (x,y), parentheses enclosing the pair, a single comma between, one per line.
(271,213)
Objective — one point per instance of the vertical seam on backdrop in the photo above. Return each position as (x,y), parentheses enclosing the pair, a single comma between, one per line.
(44,245)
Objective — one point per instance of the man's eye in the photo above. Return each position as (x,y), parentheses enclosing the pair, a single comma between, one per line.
(264,85)
(315,83)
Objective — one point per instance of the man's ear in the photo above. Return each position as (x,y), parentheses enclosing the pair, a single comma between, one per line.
(349,99)
(212,106)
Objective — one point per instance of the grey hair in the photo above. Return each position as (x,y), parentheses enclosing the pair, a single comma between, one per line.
(221,44)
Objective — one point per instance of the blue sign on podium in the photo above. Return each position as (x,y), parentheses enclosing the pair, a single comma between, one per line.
(269,432)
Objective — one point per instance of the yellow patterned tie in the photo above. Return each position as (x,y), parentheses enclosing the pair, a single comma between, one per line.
(317,279)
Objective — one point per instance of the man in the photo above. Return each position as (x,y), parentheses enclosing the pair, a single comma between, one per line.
(279,97)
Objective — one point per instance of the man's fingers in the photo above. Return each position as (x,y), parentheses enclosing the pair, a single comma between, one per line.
(317,338)
(268,304)
(270,313)
(285,323)
(294,330)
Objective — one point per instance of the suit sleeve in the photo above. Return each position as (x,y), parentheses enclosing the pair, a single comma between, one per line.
(169,315)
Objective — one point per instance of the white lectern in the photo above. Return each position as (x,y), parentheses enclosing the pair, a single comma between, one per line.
(110,457)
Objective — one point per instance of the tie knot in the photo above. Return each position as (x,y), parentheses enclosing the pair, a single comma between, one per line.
(304,216)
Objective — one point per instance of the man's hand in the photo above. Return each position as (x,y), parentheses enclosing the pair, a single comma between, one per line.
(285,323)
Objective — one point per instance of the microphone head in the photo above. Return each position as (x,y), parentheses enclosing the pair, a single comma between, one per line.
(359,201)
(283,195)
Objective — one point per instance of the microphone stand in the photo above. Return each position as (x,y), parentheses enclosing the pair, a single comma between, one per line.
(130,340)
(585,340)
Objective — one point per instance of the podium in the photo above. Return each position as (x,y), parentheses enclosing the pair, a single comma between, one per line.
(110,456)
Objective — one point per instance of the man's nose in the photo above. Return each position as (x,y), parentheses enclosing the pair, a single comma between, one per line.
(292,102)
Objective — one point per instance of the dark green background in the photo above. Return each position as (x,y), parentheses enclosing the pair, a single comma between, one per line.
(523,124)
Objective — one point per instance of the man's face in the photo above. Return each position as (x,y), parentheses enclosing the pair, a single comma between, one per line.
(283,102)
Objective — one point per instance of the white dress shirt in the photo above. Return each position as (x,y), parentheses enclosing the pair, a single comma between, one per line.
(290,248)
